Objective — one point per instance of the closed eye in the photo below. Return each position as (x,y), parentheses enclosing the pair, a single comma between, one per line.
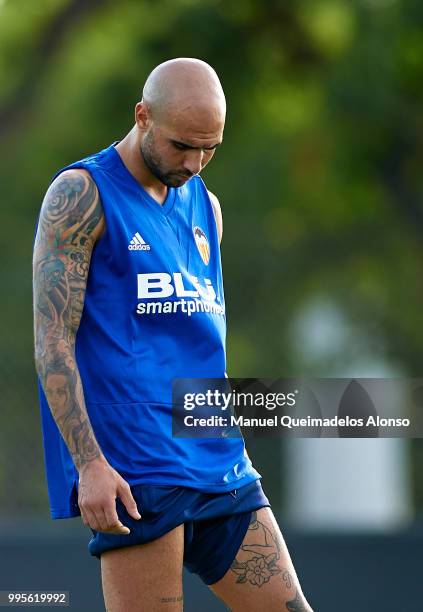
(181,146)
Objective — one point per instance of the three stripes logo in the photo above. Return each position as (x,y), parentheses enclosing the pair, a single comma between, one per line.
(138,243)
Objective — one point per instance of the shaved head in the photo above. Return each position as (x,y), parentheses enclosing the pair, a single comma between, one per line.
(179,122)
(181,86)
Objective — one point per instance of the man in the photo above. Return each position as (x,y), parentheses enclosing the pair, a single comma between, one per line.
(128,295)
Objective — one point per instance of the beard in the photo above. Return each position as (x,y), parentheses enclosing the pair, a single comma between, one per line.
(154,163)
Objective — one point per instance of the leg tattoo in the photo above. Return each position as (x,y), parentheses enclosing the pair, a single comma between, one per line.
(296,604)
(171,599)
(256,561)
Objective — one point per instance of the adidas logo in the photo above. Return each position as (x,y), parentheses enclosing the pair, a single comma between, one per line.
(138,243)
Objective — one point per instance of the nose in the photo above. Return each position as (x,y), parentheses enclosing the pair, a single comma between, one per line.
(194,161)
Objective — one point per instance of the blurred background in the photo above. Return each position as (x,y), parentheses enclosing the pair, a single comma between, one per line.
(320,182)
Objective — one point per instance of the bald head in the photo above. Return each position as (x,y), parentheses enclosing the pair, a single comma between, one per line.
(184,86)
(180,120)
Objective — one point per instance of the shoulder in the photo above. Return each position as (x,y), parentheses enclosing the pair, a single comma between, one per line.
(76,177)
(217,213)
(74,193)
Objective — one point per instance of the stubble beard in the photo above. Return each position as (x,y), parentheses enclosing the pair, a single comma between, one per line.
(152,162)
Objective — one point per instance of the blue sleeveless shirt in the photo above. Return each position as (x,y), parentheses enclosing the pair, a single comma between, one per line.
(154,311)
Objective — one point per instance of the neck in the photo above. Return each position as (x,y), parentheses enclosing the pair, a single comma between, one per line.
(130,152)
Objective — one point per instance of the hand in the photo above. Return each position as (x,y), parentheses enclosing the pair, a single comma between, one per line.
(99,485)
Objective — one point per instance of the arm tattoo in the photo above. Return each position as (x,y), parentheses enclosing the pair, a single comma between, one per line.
(70,213)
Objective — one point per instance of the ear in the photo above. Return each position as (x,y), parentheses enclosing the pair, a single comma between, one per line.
(142,116)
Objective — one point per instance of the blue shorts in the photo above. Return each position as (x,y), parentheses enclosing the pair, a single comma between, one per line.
(215,524)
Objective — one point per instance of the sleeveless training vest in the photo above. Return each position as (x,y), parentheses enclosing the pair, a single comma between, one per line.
(154,310)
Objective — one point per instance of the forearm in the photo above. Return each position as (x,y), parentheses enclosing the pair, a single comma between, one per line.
(59,376)
(99,484)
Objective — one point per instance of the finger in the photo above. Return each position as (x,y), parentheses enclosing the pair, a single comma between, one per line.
(111,515)
(113,523)
(118,529)
(91,519)
(101,519)
(84,518)
(128,501)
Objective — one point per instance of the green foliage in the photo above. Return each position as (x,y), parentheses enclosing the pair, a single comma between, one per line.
(319,177)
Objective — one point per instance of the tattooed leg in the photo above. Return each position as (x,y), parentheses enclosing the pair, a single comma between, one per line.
(262,575)
(297,604)
(256,561)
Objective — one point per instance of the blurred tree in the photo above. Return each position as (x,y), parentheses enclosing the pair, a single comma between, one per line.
(319,176)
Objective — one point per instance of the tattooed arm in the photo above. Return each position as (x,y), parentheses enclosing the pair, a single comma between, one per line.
(71,220)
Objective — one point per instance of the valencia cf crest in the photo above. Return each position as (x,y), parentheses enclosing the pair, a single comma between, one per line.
(202,244)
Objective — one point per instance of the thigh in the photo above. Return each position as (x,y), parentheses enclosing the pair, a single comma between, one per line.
(262,576)
(146,577)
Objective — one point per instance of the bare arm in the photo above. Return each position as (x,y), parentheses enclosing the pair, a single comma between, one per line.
(71,220)
(217,214)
